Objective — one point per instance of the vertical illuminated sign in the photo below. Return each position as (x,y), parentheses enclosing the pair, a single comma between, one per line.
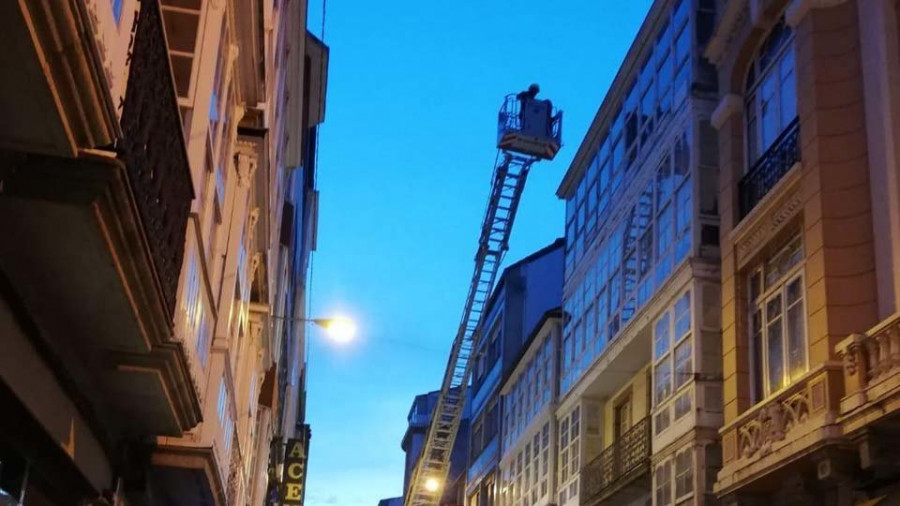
(294,469)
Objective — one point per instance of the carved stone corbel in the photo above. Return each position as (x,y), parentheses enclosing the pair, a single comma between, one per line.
(252,220)
(247,162)
(254,265)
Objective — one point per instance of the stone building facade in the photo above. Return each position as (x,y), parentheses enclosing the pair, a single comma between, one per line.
(157,210)
(808,193)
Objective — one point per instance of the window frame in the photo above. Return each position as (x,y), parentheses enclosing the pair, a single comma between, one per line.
(650,98)
(663,485)
(568,453)
(690,472)
(668,488)
(617,284)
(759,72)
(674,342)
(759,303)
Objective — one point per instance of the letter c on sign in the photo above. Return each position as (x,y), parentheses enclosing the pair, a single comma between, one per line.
(295,470)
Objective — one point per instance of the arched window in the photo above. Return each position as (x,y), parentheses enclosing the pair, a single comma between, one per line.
(771,92)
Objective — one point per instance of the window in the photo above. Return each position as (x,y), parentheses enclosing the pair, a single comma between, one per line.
(661,421)
(569,432)
(682,404)
(196,322)
(117,9)
(674,478)
(223,400)
(663,486)
(183,24)
(493,351)
(658,88)
(622,418)
(218,87)
(682,329)
(771,92)
(663,380)
(681,12)
(229,432)
(777,320)
(477,439)
(633,260)
(673,361)
(661,337)
(529,391)
(526,480)
(684,474)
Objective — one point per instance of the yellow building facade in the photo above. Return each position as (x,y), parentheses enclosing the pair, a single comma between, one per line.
(808,198)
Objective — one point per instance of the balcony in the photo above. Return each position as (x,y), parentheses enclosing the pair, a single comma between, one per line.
(65,66)
(95,252)
(621,473)
(767,439)
(770,168)
(871,368)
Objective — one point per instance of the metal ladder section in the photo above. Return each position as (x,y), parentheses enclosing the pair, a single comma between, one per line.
(510,173)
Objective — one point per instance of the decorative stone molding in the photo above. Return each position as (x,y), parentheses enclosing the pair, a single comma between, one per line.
(850,350)
(254,265)
(727,30)
(799,416)
(256,329)
(798,9)
(748,242)
(252,221)
(772,424)
(729,105)
(247,162)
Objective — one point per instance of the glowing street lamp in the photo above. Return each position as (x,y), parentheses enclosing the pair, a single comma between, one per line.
(339,328)
(432,484)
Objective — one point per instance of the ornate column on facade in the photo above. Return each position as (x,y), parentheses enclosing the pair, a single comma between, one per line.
(246,161)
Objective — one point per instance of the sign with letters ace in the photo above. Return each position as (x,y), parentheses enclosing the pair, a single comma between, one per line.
(294,469)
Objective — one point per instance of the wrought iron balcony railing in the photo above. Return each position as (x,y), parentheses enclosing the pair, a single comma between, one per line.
(770,168)
(152,148)
(625,460)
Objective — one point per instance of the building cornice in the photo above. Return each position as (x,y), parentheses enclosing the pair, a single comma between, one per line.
(727,30)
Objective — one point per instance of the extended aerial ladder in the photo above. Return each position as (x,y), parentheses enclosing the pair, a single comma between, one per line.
(528,130)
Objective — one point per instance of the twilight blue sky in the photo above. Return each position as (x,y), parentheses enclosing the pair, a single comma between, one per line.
(405,161)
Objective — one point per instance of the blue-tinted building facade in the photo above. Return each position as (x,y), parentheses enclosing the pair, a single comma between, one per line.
(525,292)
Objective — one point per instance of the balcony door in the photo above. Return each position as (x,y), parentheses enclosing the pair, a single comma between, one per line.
(622,418)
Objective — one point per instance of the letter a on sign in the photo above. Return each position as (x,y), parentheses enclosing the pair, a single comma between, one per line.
(295,451)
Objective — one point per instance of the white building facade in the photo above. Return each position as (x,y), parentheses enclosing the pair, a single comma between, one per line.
(640,394)
(528,427)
